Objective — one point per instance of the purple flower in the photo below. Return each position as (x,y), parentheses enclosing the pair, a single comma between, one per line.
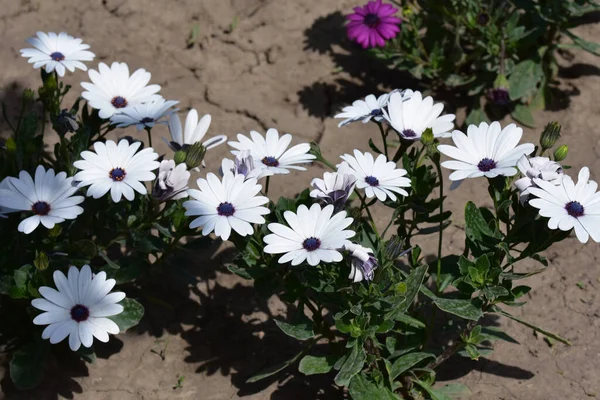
(373,24)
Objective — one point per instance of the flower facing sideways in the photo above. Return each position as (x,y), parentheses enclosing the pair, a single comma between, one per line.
(79,308)
(373,24)
(334,188)
(48,196)
(364,110)
(363,262)
(536,167)
(172,180)
(144,115)
(313,235)
(193,133)
(244,164)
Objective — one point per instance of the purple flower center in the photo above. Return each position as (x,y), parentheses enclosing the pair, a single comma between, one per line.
(225,209)
(119,102)
(483,18)
(376,112)
(41,208)
(146,120)
(371,20)
(57,56)
(574,209)
(270,162)
(311,244)
(486,164)
(409,133)
(117,174)
(371,180)
(79,313)
(499,96)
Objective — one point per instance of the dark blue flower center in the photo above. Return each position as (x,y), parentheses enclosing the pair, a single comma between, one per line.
(486,164)
(41,208)
(377,112)
(146,120)
(270,162)
(117,174)
(311,244)
(79,313)
(574,209)
(409,133)
(119,102)
(371,180)
(225,209)
(57,56)
(371,20)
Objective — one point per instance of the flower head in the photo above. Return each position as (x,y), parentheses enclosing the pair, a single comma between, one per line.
(4,185)
(113,89)
(378,177)
(313,235)
(225,205)
(57,52)
(243,164)
(363,264)
(364,110)
(373,24)
(48,196)
(79,308)
(193,133)
(65,122)
(499,96)
(334,188)
(171,183)
(569,205)
(537,167)
(117,168)
(410,115)
(271,151)
(144,115)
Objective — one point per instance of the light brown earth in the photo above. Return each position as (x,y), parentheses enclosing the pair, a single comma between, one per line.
(286,65)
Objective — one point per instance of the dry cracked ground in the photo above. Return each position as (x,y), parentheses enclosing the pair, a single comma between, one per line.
(256,64)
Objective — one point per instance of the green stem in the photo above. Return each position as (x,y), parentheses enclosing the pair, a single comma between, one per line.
(383,139)
(439,255)
(365,207)
(267,185)
(401,150)
(148,130)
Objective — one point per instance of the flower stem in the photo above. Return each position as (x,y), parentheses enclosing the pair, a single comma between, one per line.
(148,130)
(401,150)
(383,138)
(267,185)
(364,206)
(438,167)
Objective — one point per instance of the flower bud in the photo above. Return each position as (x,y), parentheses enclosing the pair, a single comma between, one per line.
(41,260)
(561,152)
(28,95)
(550,135)
(180,156)
(195,155)
(427,137)
(393,248)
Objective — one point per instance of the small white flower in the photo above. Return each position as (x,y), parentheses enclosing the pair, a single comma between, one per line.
(112,89)
(79,308)
(193,133)
(410,114)
(364,110)
(271,151)
(363,263)
(378,177)
(536,167)
(172,181)
(486,150)
(225,205)
(243,164)
(313,235)
(570,205)
(49,197)
(144,115)
(57,52)
(117,168)
(5,210)
(334,188)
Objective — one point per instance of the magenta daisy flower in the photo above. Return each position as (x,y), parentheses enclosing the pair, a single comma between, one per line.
(373,24)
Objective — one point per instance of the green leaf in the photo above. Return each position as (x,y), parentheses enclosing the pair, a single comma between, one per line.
(495,291)
(374,147)
(312,365)
(21,276)
(85,249)
(87,354)
(529,325)
(522,114)
(492,333)
(353,365)
(406,362)
(462,308)
(476,227)
(362,388)
(472,351)
(162,230)
(455,391)
(272,370)
(413,283)
(476,116)
(109,263)
(131,315)
(300,327)
(524,79)
(410,321)
(27,364)
(433,394)
(590,47)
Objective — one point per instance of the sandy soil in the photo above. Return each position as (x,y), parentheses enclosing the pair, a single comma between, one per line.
(285,65)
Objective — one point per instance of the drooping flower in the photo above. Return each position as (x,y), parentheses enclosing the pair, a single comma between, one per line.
(193,133)
(378,177)
(243,164)
(536,167)
(271,151)
(57,52)
(373,24)
(113,89)
(48,196)
(314,234)
(116,168)
(499,96)
(364,110)
(79,308)
(486,150)
(363,262)
(410,115)
(65,122)
(225,205)
(144,115)
(172,181)
(334,188)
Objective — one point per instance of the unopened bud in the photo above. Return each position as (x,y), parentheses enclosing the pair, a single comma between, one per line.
(393,248)
(561,153)
(550,135)
(315,150)
(28,95)
(41,260)
(195,155)
(427,137)
(180,156)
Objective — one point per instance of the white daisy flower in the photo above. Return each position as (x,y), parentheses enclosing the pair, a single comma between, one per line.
(117,168)
(364,110)
(570,205)
(363,262)
(334,188)
(225,205)
(57,52)
(378,177)
(172,181)
(79,308)
(536,167)
(272,153)
(486,150)
(410,114)
(313,235)
(193,133)
(244,164)
(5,210)
(144,115)
(112,89)
(48,196)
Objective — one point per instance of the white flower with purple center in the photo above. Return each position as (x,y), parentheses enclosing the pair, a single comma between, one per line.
(378,177)
(569,205)
(79,308)
(364,110)
(193,132)
(244,164)
(315,235)
(120,169)
(272,151)
(113,89)
(225,205)
(57,52)
(145,115)
(334,188)
(172,181)
(48,196)
(536,167)
(363,262)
